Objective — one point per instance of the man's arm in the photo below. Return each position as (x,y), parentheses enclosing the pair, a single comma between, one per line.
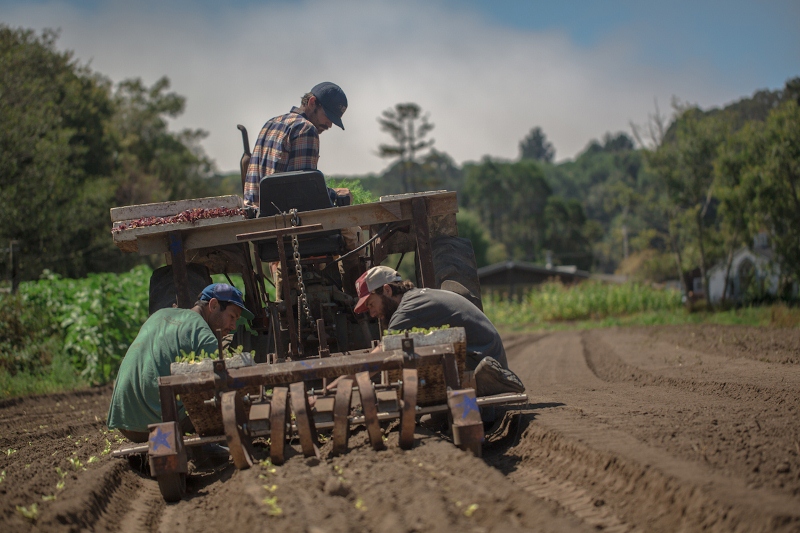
(252,179)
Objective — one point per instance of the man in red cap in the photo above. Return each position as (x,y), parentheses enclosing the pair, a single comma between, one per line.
(383,293)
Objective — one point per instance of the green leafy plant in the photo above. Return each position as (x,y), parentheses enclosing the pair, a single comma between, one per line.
(91,321)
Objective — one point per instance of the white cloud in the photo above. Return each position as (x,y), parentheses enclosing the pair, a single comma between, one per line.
(484,86)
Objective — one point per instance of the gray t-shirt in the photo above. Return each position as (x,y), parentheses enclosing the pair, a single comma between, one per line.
(428,308)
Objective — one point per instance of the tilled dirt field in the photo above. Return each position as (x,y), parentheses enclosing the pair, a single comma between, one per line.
(648,429)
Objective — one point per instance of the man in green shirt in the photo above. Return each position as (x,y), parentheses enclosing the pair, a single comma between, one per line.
(167,334)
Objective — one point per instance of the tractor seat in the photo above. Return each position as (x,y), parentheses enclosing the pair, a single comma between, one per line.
(304,190)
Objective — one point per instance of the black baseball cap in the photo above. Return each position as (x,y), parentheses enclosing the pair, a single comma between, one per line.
(332,99)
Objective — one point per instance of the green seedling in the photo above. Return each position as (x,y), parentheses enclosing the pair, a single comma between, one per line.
(338,469)
(60,472)
(267,464)
(2,476)
(271,488)
(76,464)
(49,498)
(360,505)
(60,485)
(469,511)
(424,331)
(31,513)
(92,459)
(107,449)
(272,506)
(10,452)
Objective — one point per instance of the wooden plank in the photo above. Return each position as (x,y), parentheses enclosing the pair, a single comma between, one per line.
(308,369)
(153,241)
(424,253)
(160,229)
(167,209)
(179,274)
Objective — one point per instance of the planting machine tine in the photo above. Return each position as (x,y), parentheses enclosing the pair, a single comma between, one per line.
(303,419)
(341,415)
(408,416)
(279,407)
(467,423)
(369,404)
(234,419)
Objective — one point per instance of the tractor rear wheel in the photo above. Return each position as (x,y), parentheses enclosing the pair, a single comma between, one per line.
(162,285)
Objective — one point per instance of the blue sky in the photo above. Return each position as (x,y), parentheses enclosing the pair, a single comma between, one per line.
(487,72)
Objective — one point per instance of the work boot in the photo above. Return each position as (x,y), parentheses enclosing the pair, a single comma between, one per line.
(491,378)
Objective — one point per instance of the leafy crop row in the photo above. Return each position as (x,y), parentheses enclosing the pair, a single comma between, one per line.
(556,302)
(90,321)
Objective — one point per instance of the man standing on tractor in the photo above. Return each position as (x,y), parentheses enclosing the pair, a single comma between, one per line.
(291,142)
(383,294)
(166,335)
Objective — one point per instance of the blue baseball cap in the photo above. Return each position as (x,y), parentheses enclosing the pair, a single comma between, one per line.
(332,99)
(226,293)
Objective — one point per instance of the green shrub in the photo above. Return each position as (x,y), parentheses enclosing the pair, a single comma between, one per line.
(99,316)
(360,194)
(30,335)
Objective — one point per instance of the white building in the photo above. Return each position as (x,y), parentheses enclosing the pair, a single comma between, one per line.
(752,270)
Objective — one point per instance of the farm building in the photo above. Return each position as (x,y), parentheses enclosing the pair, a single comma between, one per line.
(752,271)
(514,277)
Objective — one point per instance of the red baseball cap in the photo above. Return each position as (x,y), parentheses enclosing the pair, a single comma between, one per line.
(371,280)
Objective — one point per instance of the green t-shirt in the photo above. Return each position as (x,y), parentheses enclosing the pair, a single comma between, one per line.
(135,402)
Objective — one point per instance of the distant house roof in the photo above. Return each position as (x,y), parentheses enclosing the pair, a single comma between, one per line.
(521,272)
(765,254)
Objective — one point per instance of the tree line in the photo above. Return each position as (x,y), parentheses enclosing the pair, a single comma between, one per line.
(678,193)
(72,145)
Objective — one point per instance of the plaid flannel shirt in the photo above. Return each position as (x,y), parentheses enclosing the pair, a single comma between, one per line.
(286,143)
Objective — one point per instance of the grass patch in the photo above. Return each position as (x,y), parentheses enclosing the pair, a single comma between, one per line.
(748,316)
(59,376)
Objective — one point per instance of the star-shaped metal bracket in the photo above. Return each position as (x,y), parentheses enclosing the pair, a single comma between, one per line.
(468,405)
(160,439)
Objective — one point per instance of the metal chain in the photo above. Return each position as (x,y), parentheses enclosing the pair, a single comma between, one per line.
(299,270)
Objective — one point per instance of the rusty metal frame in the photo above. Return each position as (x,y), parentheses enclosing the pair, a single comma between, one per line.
(306,370)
